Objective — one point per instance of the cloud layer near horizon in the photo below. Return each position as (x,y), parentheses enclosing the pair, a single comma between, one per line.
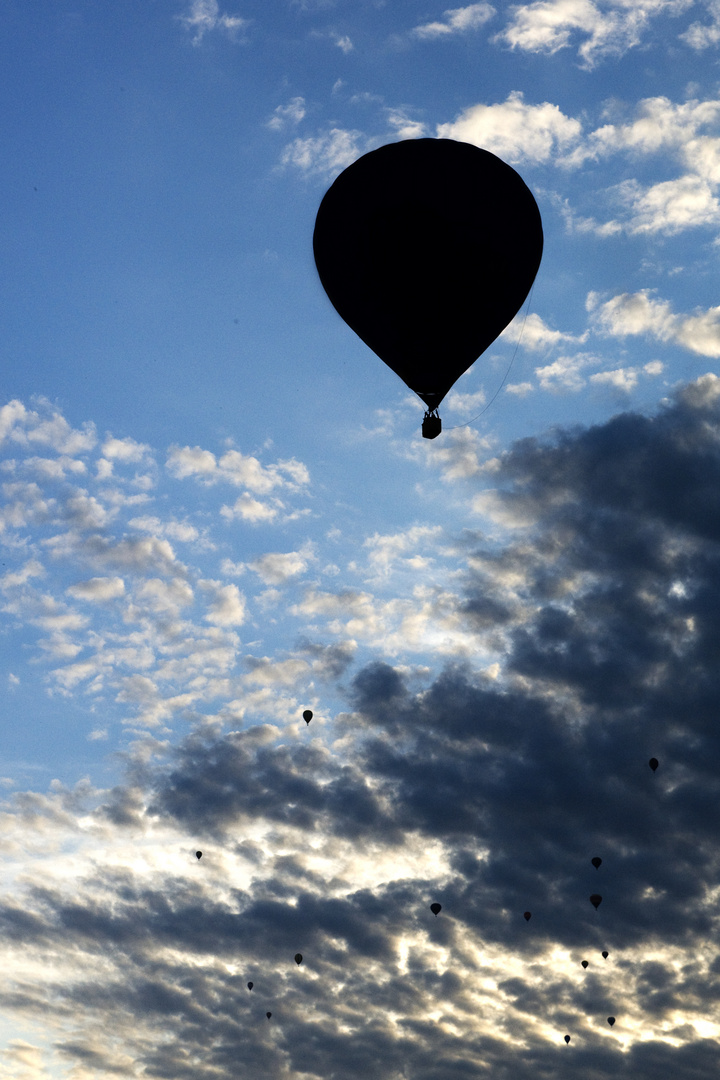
(485,788)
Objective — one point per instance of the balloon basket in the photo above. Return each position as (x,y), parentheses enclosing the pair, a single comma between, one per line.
(431,425)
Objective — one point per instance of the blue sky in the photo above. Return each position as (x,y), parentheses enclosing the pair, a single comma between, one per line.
(218,511)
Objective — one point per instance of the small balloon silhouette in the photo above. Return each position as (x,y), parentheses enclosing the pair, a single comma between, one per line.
(611,1020)
(298,958)
(567,1038)
(307,716)
(527,916)
(584,963)
(605,955)
(250,986)
(268,1015)
(198,854)
(436,909)
(653,763)
(596,900)
(597,861)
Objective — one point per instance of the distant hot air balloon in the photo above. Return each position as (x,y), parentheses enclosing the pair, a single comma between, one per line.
(597,862)
(268,1015)
(298,958)
(584,963)
(250,986)
(653,763)
(527,915)
(605,955)
(611,1020)
(307,716)
(436,909)
(427,248)
(596,900)
(198,854)
(567,1038)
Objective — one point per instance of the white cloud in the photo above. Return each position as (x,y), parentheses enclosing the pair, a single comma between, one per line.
(205,15)
(124,450)
(343,42)
(704,35)
(640,313)
(242,470)
(519,389)
(516,132)
(292,113)
(251,510)
(456,21)
(564,373)
(226,603)
(404,126)
(275,568)
(325,155)
(176,530)
(608,27)
(625,379)
(536,334)
(27,427)
(97,589)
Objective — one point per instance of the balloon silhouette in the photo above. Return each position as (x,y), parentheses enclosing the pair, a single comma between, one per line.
(611,1020)
(567,1038)
(298,958)
(427,248)
(436,909)
(597,862)
(584,963)
(250,986)
(307,716)
(198,854)
(605,955)
(596,900)
(527,915)
(653,763)
(268,1015)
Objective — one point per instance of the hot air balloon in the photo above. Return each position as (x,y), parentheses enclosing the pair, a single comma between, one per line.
(605,955)
(268,1015)
(250,986)
(298,958)
(198,854)
(567,1038)
(527,915)
(427,248)
(611,1020)
(653,763)
(436,909)
(596,900)
(307,716)
(597,862)
(584,963)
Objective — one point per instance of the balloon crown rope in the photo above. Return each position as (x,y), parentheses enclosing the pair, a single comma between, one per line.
(428,249)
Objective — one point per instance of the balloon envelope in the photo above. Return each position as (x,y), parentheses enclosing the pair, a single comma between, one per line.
(527,915)
(427,248)
(611,1020)
(584,963)
(436,909)
(596,900)
(567,1038)
(597,862)
(250,986)
(198,854)
(605,955)
(298,958)
(268,1015)
(307,716)
(653,763)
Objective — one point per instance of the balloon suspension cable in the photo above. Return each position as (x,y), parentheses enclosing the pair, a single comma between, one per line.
(512,361)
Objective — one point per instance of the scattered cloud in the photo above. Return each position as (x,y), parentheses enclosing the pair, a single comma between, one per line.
(286,115)
(205,16)
(642,314)
(515,131)
(455,21)
(606,28)
(327,154)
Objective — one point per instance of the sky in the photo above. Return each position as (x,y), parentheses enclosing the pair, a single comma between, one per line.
(218,512)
